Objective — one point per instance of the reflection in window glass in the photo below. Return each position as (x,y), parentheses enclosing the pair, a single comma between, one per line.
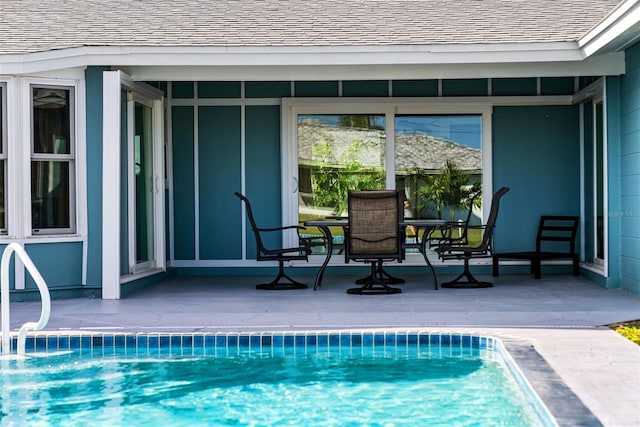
(51,124)
(336,154)
(438,162)
(52,160)
(50,195)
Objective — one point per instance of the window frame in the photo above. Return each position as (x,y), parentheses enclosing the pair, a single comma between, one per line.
(70,159)
(3,153)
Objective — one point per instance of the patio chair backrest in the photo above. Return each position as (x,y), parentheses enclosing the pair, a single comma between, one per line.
(374,224)
(252,222)
(487,237)
(557,229)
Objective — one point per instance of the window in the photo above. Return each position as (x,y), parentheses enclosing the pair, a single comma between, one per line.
(438,161)
(338,153)
(3,159)
(52,160)
(417,148)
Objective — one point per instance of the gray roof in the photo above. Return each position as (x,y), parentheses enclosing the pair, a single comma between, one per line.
(28,26)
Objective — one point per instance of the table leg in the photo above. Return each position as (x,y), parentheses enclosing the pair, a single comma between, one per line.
(327,234)
(423,251)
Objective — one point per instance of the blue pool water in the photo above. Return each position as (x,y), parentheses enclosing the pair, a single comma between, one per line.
(325,380)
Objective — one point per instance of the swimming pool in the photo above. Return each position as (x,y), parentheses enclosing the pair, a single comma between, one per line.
(301,378)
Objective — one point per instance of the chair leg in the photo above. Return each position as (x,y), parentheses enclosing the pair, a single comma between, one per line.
(536,268)
(374,285)
(276,285)
(496,266)
(576,265)
(471,281)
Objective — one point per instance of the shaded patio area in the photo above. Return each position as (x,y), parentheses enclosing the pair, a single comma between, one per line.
(561,316)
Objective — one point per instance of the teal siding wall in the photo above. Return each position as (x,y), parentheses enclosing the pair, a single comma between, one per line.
(219,167)
(48,257)
(629,214)
(536,152)
(465,87)
(183,182)
(263,183)
(511,87)
(415,88)
(93,77)
(311,89)
(365,88)
(613,185)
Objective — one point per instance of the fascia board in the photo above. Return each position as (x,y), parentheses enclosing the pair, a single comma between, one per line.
(623,22)
(289,56)
(610,64)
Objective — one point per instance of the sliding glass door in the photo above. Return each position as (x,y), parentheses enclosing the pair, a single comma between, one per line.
(594,181)
(340,148)
(143,172)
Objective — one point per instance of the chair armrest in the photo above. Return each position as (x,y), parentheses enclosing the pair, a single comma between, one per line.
(287,227)
(285,251)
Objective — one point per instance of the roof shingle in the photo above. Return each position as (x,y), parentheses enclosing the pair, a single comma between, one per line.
(31,25)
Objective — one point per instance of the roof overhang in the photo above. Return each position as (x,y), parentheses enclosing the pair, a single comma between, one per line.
(616,32)
(326,62)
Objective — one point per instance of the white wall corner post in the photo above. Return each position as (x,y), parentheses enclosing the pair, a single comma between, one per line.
(111,134)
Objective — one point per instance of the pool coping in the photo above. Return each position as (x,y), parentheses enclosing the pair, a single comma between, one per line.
(526,364)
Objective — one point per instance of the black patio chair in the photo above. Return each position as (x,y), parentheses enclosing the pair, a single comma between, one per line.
(446,234)
(466,252)
(299,253)
(555,239)
(374,235)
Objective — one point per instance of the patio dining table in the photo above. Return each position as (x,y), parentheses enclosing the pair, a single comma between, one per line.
(420,243)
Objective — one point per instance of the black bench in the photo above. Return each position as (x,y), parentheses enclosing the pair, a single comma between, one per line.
(559,232)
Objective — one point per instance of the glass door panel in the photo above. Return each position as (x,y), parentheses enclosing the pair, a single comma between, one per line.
(438,163)
(337,153)
(143,178)
(594,228)
(141,192)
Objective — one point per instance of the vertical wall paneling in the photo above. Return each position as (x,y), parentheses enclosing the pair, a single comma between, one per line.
(182,135)
(94,174)
(263,164)
(219,141)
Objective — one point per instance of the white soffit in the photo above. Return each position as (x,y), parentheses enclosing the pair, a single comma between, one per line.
(145,63)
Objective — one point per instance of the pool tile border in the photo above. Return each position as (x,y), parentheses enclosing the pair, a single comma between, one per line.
(60,341)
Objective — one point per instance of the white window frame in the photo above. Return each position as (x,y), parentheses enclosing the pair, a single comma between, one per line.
(19,135)
(390,107)
(63,158)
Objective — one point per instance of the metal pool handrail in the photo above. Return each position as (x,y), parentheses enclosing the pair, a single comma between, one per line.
(4,288)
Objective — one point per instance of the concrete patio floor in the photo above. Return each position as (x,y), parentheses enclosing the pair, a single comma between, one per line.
(560,316)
